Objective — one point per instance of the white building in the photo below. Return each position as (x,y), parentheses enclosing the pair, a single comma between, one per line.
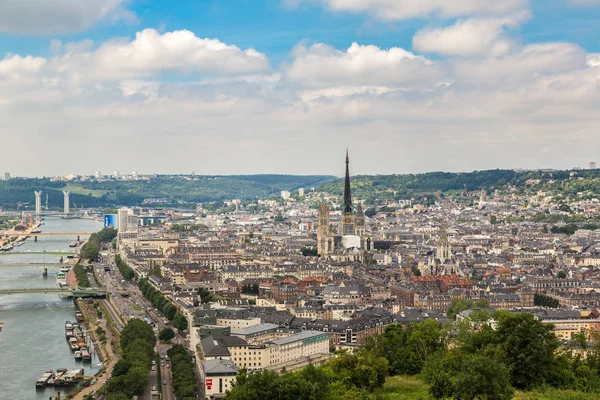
(301,192)
(128,224)
(285,194)
(6,176)
(218,377)
(67,207)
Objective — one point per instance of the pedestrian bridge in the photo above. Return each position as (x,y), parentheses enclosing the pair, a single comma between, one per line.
(64,292)
(77,234)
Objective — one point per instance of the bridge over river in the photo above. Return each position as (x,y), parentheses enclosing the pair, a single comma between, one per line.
(41,265)
(64,292)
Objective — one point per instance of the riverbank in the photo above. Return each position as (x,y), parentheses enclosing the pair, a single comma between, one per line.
(11,241)
(105,339)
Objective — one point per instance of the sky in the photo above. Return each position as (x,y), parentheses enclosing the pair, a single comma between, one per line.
(285,86)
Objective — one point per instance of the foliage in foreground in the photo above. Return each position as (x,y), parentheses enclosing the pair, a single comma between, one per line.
(182,369)
(479,362)
(130,374)
(350,376)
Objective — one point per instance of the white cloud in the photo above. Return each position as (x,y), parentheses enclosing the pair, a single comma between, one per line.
(152,52)
(398,112)
(523,65)
(58,16)
(471,37)
(393,10)
(149,54)
(321,65)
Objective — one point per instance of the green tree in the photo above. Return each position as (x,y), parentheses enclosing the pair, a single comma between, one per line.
(166,334)
(529,347)
(561,274)
(180,322)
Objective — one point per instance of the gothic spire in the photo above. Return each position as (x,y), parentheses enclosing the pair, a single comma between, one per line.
(347,194)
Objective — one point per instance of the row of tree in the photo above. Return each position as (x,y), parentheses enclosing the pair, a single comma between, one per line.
(163,305)
(92,247)
(543,300)
(130,374)
(125,270)
(81,275)
(182,370)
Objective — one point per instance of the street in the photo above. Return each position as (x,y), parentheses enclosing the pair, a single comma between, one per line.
(134,305)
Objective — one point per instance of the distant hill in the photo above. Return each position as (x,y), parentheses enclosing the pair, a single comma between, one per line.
(371,187)
(176,189)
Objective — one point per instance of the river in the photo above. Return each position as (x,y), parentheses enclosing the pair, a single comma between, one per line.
(33,338)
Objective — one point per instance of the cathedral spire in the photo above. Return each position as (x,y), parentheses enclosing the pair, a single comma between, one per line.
(347,194)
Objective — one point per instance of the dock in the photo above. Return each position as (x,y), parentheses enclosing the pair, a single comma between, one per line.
(62,377)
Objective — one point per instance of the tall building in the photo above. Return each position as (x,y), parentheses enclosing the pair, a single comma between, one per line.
(66,194)
(97,174)
(353,243)
(6,176)
(592,165)
(128,224)
(116,174)
(444,263)
(360,220)
(300,192)
(443,251)
(134,175)
(348,222)
(324,239)
(38,204)
(285,194)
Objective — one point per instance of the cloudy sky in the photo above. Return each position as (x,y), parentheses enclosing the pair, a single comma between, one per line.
(284,86)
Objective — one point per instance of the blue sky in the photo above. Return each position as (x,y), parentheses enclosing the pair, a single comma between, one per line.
(411,85)
(274,28)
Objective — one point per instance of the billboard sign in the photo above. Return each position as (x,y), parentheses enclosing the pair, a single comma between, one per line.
(111,220)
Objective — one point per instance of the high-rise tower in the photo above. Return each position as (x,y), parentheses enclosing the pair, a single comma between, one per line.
(38,204)
(443,251)
(323,236)
(348,223)
(360,220)
(66,194)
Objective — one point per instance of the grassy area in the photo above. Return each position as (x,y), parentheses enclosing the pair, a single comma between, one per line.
(413,388)
(405,388)
(555,394)
(75,189)
(136,308)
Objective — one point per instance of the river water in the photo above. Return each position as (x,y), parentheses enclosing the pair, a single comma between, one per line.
(33,338)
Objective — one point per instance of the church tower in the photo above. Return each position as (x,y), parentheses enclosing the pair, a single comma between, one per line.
(348,223)
(360,220)
(443,251)
(323,231)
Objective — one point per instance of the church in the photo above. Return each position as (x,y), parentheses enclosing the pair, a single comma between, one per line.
(444,262)
(353,243)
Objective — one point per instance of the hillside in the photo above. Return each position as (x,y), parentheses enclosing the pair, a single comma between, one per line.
(176,189)
(371,187)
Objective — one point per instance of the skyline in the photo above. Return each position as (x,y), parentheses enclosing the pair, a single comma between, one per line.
(244,87)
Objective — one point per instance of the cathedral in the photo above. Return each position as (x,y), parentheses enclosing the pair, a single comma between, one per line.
(444,262)
(353,242)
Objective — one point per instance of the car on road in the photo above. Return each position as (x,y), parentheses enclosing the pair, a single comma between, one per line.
(165,382)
